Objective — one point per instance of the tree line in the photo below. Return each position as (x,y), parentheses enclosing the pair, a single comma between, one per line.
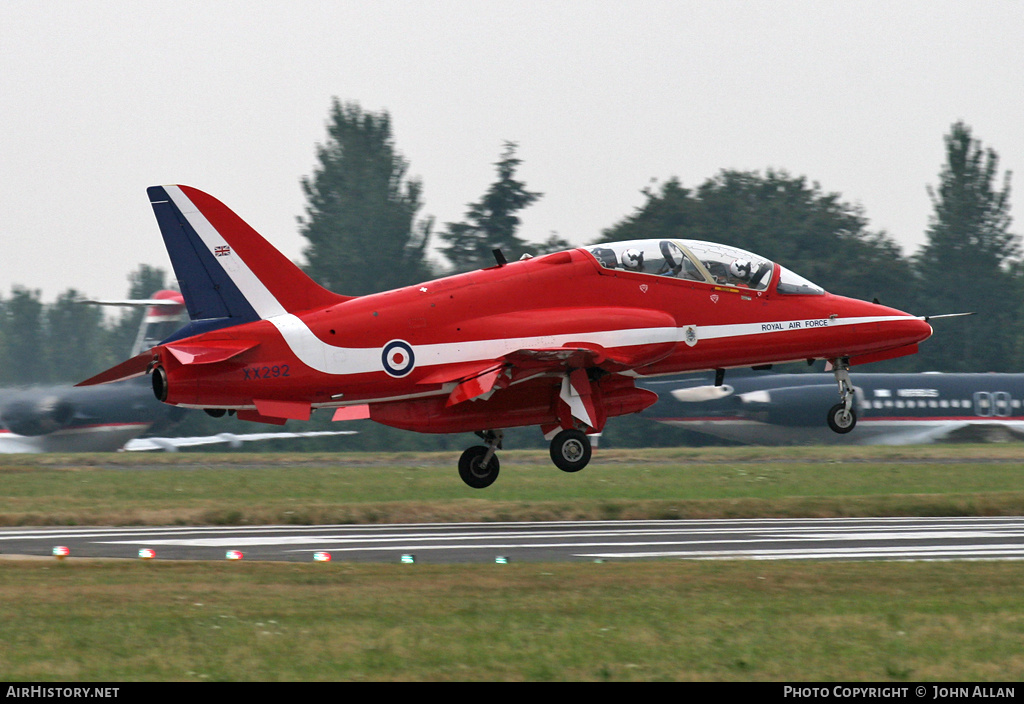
(366,234)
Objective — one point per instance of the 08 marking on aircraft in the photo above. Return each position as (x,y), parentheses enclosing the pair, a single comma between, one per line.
(744,539)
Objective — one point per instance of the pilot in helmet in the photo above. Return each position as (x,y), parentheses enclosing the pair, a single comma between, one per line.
(740,269)
(632,259)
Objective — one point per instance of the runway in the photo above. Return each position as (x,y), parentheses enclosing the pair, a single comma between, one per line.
(1000,538)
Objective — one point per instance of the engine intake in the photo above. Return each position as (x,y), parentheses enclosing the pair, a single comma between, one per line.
(32,417)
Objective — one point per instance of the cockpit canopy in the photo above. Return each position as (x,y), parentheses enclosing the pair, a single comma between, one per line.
(694,260)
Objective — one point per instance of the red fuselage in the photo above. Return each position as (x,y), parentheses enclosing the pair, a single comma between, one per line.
(405,350)
(556,341)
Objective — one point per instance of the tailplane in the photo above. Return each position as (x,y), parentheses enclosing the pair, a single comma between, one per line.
(165,313)
(227,272)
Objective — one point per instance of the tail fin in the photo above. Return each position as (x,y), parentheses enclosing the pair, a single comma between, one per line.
(227,272)
(165,313)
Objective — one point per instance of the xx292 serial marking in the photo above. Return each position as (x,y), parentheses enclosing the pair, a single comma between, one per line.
(274,372)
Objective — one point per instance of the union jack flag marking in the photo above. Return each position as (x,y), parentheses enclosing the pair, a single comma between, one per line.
(222,251)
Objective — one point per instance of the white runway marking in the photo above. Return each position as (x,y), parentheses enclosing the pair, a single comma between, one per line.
(755,539)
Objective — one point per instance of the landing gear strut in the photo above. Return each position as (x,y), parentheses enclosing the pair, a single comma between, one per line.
(841,417)
(478,465)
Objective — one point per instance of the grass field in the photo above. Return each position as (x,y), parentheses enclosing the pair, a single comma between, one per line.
(641,621)
(638,621)
(180,489)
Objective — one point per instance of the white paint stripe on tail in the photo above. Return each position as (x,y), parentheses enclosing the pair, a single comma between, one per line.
(260,298)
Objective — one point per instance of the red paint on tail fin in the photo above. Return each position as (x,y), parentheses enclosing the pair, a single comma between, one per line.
(293,289)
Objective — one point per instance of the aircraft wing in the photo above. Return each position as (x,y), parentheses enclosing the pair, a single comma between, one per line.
(136,302)
(484,378)
(173,444)
(571,362)
(209,352)
(979,430)
(129,369)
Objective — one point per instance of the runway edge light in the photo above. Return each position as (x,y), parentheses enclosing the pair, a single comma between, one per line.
(234,555)
(146,553)
(321,556)
(60,552)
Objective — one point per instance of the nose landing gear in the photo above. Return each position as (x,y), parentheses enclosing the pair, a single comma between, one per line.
(841,417)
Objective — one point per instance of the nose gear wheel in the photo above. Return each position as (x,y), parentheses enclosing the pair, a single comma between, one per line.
(841,417)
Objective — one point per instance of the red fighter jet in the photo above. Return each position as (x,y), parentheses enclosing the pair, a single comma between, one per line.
(555,340)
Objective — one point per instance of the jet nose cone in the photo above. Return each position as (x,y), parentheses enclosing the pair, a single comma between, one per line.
(924,330)
(901,328)
(869,332)
(879,333)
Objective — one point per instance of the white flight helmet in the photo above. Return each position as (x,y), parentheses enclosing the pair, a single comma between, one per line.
(740,269)
(632,259)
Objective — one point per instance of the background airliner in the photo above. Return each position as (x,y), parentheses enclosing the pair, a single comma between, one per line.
(65,418)
(768,408)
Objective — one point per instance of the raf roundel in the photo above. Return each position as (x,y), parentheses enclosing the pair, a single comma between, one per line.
(398,358)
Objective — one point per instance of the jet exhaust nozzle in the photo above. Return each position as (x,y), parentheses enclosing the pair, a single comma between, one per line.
(160,383)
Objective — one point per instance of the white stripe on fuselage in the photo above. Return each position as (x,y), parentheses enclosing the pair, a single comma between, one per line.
(328,359)
(315,353)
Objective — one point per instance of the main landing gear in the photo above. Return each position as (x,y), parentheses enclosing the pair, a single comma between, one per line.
(841,417)
(478,466)
(570,450)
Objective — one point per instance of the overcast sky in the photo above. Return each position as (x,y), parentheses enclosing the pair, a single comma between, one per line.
(99,100)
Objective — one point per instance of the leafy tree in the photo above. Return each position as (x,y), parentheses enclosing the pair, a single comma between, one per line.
(74,345)
(553,243)
(971,222)
(970,261)
(781,217)
(142,283)
(23,354)
(674,211)
(491,222)
(361,209)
